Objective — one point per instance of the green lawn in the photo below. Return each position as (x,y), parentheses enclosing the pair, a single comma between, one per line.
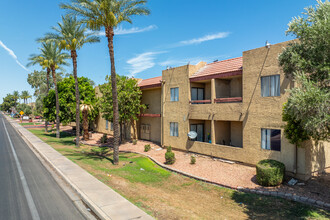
(167,195)
(30,123)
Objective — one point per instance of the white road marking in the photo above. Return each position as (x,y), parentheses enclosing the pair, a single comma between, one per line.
(31,204)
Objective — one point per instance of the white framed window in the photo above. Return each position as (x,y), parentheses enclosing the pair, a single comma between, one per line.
(271,139)
(106,125)
(174,94)
(174,129)
(270,86)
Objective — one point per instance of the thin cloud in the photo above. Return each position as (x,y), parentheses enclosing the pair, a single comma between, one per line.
(134,30)
(205,38)
(12,54)
(142,62)
(123,31)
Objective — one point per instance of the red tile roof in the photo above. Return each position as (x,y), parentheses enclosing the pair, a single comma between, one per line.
(150,83)
(219,69)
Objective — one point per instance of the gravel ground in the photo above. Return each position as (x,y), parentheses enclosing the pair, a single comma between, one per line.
(224,173)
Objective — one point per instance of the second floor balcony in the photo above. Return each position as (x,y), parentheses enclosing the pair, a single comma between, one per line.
(224,90)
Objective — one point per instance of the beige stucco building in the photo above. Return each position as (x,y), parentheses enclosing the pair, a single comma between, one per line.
(234,106)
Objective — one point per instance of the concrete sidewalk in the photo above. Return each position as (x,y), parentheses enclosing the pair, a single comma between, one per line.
(105,202)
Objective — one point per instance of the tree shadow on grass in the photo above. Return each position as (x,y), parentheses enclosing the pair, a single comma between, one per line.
(97,154)
(266,207)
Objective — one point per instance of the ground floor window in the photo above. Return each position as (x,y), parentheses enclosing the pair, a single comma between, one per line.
(271,139)
(199,129)
(174,129)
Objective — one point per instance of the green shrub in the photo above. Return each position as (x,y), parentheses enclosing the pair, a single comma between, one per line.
(134,141)
(169,156)
(147,148)
(104,139)
(192,159)
(270,172)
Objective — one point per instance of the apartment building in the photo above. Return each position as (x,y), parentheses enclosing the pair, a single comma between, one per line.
(234,105)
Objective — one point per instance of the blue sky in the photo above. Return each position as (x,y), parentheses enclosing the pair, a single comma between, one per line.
(175,33)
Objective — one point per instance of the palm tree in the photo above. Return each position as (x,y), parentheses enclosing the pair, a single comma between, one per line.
(40,60)
(72,35)
(25,96)
(54,57)
(16,96)
(85,108)
(108,14)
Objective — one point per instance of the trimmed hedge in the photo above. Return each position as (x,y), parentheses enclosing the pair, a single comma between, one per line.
(270,172)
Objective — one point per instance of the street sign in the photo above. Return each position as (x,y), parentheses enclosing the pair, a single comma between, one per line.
(21,113)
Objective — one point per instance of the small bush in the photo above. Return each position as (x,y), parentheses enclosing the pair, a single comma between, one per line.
(104,139)
(147,148)
(134,141)
(270,172)
(192,159)
(169,156)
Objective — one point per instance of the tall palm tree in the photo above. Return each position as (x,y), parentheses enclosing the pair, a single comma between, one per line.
(108,14)
(39,59)
(72,35)
(16,96)
(54,57)
(25,95)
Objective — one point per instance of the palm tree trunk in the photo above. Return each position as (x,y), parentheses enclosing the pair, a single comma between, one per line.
(74,62)
(85,124)
(57,105)
(110,34)
(48,74)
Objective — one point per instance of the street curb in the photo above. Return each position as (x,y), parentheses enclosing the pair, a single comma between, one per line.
(100,213)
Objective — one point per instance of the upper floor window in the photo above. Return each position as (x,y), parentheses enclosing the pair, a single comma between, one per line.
(271,139)
(106,125)
(270,85)
(111,126)
(197,94)
(174,94)
(174,129)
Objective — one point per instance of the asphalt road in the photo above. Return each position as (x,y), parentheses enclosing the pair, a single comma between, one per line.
(27,189)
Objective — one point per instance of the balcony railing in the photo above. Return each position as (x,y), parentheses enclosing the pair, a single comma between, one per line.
(200,102)
(226,100)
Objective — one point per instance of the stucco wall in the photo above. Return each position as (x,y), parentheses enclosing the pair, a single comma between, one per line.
(222,88)
(222,132)
(264,112)
(236,87)
(152,98)
(155,128)
(236,133)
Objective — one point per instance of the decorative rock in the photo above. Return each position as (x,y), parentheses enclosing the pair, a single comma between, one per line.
(327,205)
(295,198)
(320,203)
(266,193)
(274,193)
(312,201)
(289,195)
(281,194)
(303,199)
